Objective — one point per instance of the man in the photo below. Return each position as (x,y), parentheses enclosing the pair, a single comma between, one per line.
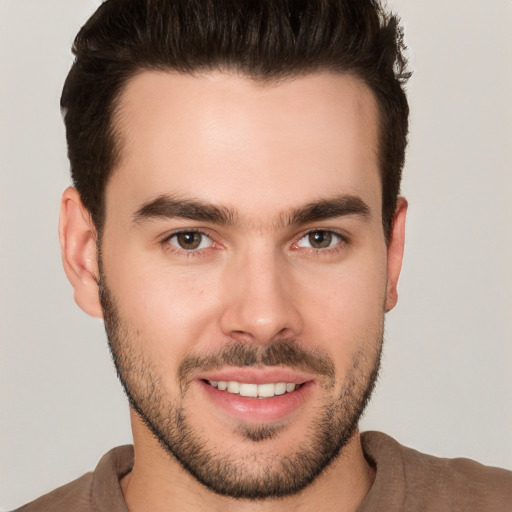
(236,222)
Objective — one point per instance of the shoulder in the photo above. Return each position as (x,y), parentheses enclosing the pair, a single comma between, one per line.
(73,497)
(459,482)
(431,483)
(99,491)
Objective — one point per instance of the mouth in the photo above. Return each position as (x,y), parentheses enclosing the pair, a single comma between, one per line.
(251,390)
(254,396)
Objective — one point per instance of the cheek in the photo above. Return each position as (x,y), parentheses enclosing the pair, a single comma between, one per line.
(166,312)
(345,309)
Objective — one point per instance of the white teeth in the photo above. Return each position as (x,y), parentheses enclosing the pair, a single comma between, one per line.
(280,388)
(233,386)
(290,387)
(248,389)
(266,390)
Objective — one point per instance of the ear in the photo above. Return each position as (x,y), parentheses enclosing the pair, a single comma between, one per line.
(396,253)
(78,237)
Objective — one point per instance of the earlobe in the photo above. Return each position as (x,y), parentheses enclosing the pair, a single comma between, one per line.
(396,253)
(78,238)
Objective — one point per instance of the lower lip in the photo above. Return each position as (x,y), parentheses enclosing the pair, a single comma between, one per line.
(257,410)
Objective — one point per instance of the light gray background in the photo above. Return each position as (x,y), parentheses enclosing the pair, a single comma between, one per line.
(446,385)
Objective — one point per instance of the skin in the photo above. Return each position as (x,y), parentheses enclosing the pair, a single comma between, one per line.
(262,151)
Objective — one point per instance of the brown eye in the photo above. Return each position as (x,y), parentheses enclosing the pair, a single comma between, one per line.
(190,240)
(320,239)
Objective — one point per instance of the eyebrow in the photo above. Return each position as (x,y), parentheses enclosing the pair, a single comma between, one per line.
(171,207)
(339,206)
(167,206)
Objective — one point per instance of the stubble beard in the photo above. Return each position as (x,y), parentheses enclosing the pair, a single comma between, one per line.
(249,477)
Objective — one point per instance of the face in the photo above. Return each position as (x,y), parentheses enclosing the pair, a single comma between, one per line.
(244,271)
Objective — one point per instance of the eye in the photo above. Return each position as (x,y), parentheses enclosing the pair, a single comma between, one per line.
(321,239)
(190,240)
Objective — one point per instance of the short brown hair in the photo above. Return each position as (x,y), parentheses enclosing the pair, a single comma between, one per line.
(263,39)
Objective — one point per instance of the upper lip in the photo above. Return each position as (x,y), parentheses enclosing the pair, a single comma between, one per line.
(257,375)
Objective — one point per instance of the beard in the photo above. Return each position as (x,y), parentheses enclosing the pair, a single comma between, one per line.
(259,475)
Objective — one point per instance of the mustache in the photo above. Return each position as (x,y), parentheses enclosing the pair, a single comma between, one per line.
(280,353)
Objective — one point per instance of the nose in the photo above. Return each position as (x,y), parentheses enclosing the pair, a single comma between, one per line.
(260,300)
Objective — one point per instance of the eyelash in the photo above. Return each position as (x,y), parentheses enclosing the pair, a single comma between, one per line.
(319,252)
(339,246)
(184,252)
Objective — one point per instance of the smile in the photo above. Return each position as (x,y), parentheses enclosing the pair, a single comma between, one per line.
(266,390)
(256,396)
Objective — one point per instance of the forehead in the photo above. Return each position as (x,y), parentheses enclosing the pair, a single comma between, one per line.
(227,139)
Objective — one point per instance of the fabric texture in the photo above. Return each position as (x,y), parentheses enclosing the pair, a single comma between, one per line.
(406,481)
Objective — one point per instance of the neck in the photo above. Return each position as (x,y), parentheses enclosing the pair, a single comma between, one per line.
(158,483)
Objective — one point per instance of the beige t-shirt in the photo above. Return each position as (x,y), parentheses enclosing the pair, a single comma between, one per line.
(406,480)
